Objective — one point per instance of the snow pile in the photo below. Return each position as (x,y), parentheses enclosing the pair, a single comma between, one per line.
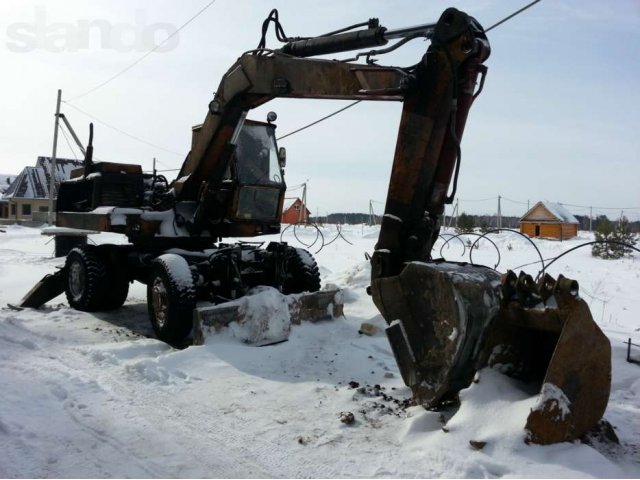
(259,318)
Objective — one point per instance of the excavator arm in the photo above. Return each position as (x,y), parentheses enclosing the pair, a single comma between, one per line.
(436,95)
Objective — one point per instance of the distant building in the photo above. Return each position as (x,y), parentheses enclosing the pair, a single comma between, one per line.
(5,182)
(29,192)
(549,220)
(294,211)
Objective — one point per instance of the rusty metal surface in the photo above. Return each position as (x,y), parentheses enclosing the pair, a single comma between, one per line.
(316,306)
(449,320)
(580,369)
(46,289)
(545,335)
(439,315)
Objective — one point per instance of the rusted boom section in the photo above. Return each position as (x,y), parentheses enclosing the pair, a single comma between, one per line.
(448,320)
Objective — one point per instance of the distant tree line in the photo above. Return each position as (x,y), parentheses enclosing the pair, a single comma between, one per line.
(483,222)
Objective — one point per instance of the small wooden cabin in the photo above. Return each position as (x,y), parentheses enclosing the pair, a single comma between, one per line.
(294,211)
(549,220)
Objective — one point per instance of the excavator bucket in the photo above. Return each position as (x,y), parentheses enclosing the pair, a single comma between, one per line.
(448,320)
(545,334)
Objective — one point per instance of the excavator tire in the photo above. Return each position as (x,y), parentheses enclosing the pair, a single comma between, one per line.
(171,298)
(302,272)
(87,283)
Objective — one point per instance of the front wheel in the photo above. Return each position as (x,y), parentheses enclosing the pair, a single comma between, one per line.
(171,298)
(302,274)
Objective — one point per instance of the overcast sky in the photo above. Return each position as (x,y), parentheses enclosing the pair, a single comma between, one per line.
(558,119)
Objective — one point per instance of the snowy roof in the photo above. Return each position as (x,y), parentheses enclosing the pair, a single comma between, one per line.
(33,182)
(289,202)
(556,210)
(5,182)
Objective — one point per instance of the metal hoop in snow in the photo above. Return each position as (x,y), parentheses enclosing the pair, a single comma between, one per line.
(498,230)
(452,236)
(584,245)
(339,235)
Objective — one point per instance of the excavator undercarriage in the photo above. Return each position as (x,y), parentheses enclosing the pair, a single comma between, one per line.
(446,320)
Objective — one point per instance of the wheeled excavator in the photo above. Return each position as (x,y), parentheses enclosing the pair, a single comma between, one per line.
(446,320)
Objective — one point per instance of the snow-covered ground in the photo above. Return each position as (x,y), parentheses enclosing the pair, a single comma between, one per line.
(95,395)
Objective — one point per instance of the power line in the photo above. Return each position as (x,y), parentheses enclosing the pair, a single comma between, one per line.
(358,101)
(512,15)
(121,72)
(478,199)
(601,208)
(515,201)
(122,131)
(68,142)
(319,120)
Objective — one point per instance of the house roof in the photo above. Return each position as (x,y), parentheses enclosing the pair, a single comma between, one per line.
(33,182)
(545,211)
(290,202)
(5,182)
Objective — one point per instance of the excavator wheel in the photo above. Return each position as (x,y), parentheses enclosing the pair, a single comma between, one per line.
(86,280)
(302,272)
(171,298)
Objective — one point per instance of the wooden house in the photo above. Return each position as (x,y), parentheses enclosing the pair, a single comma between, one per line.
(294,211)
(549,220)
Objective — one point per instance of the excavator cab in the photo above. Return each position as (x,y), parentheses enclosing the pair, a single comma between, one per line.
(256,167)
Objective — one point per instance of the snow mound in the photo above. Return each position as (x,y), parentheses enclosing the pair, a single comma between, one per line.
(262,317)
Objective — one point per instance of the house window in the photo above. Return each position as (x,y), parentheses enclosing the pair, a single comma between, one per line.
(296,207)
(13,209)
(26,209)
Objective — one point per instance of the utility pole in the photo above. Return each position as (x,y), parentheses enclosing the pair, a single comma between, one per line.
(591,219)
(52,179)
(301,215)
(154,167)
(455,211)
(372,216)
(499,213)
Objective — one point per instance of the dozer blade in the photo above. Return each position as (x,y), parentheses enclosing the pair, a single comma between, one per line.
(264,316)
(46,289)
(448,320)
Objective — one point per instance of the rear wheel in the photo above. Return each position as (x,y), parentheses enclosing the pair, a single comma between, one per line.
(302,272)
(171,298)
(86,281)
